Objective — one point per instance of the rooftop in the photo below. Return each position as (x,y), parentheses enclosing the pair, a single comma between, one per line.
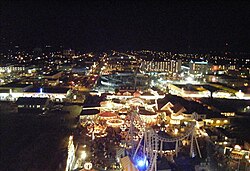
(190,106)
(196,87)
(15,85)
(226,105)
(31,101)
(90,112)
(143,111)
(49,89)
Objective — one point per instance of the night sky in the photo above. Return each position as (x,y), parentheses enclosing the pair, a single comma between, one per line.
(125,25)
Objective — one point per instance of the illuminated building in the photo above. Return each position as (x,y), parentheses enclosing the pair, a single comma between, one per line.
(229,80)
(8,68)
(170,66)
(198,68)
(54,94)
(120,63)
(189,90)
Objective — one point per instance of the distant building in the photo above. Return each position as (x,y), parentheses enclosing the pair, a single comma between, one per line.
(198,67)
(53,93)
(120,63)
(182,106)
(188,90)
(32,103)
(170,66)
(122,80)
(12,68)
(228,80)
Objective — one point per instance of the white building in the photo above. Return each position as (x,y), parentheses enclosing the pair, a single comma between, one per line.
(171,66)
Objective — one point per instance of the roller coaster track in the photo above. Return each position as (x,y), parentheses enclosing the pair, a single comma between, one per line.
(152,142)
(187,134)
(152,162)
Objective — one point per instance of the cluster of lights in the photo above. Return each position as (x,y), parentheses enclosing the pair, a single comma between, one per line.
(115,122)
(96,131)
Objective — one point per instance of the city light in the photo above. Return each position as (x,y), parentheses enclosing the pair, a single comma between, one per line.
(130,110)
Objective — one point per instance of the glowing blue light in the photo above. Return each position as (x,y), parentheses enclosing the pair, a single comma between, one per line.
(141,163)
(41,90)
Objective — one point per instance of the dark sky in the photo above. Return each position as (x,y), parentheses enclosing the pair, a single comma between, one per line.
(121,25)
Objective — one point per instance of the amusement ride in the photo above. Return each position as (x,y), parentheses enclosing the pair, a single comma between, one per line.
(146,132)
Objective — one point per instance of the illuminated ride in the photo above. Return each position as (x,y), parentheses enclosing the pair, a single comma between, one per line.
(142,133)
(144,143)
(107,115)
(115,122)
